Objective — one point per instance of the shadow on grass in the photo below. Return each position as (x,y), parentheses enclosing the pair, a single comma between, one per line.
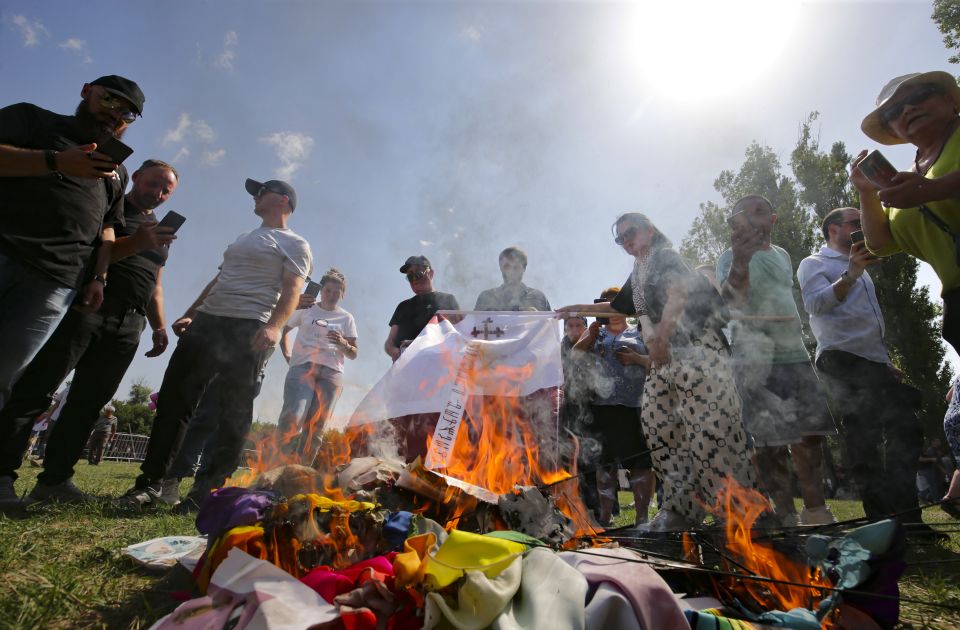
(142,608)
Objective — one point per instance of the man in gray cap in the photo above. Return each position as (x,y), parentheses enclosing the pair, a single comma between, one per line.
(228,333)
(54,210)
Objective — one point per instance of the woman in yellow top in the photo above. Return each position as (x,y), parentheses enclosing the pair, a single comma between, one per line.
(919,212)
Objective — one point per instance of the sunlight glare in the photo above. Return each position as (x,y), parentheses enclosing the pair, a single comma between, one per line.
(699,50)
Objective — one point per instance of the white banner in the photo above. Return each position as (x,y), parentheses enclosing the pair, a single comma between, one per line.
(516,354)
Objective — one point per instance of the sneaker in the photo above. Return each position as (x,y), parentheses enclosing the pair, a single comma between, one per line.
(789,519)
(138,497)
(170,491)
(8,496)
(817,516)
(63,492)
(666,521)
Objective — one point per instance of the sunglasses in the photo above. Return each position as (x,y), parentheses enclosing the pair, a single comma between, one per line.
(893,112)
(113,103)
(626,236)
(264,190)
(413,276)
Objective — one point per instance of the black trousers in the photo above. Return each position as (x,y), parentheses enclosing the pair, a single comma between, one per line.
(213,347)
(100,346)
(882,437)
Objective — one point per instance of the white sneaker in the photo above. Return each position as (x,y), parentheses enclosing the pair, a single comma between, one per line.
(817,516)
(666,521)
(170,491)
(789,520)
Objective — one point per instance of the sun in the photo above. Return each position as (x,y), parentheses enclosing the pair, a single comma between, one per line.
(701,50)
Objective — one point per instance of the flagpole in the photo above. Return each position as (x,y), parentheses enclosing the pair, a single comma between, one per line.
(563,314)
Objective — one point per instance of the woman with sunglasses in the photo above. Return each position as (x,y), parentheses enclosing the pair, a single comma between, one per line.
(918,211)
(691,410)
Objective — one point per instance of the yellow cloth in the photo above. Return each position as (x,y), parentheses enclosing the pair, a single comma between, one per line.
(324,504)
(463,550)
(918,236)
(410,565)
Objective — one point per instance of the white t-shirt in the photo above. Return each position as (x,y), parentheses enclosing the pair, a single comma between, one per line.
(251,274)
(311,344)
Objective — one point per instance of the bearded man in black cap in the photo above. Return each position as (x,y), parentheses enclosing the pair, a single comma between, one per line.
(228,333)
(59,198)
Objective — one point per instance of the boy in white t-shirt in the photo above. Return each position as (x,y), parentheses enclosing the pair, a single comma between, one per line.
(326,335)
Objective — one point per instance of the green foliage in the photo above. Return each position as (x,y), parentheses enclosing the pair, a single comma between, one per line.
(946,14)
(134,414)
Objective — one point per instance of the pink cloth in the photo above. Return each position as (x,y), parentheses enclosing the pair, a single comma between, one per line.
(652,600)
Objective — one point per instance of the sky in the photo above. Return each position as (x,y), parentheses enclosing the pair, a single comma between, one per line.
(455,129)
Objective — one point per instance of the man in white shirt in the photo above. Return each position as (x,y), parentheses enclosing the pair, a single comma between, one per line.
(882,438)
(228,333)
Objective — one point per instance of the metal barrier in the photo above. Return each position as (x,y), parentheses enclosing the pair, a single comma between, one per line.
(127,447)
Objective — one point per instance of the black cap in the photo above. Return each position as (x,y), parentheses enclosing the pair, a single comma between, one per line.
(273,185)
(124,88)
(415,260)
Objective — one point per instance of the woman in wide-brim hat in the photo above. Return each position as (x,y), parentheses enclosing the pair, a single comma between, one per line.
(918,212)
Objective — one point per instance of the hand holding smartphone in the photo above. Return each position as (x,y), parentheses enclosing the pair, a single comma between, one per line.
(116,150)
(172,220)
(602,320)
(877,169)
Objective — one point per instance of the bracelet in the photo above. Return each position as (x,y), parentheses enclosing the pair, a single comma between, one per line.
(50,157)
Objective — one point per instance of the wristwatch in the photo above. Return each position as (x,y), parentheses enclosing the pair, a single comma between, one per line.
(102,279)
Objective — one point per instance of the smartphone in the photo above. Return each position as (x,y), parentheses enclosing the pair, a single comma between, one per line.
(313,289)
(117,150)
(172,220)
(877,169)
(603,321)
(857,236)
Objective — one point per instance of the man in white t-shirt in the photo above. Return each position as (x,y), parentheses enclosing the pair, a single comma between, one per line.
(228,333)
(326,335)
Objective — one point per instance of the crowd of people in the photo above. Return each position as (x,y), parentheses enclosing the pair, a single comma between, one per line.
(686,377)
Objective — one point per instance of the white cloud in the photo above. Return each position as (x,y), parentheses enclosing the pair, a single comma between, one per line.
(79,47)
(292,148)
(472,32)
(181,155)
(31,30)
(212,158)
(187,130)
(228,54)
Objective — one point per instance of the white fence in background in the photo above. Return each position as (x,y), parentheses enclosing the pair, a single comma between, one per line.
(127,447)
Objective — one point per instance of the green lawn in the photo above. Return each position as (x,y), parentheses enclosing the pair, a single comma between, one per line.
(61,567)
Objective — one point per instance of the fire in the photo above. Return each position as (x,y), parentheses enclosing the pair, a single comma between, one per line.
(741,507)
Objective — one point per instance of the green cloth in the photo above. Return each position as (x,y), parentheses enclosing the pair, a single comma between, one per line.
(918,236)
(771,293)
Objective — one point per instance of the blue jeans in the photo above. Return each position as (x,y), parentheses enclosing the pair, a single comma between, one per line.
(31,306)
(309,395)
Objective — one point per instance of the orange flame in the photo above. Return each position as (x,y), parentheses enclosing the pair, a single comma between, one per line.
(741,507)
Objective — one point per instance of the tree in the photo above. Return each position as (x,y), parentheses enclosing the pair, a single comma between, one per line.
(946,14)
(134,414)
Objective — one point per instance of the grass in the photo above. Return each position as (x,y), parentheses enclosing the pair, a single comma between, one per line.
(61,566)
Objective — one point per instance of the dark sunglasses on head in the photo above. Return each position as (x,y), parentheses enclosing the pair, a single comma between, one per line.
(113,103)
(416,275)
(626,236)
(892,112)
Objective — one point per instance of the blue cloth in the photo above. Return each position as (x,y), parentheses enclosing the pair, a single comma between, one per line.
(616,383)
(854,325)
(31,307)
(396,528)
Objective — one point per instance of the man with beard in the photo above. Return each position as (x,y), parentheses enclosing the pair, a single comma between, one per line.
(58,197)
(227,334)
(100,345)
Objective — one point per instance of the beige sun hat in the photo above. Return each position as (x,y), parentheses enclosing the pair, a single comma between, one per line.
(873,125)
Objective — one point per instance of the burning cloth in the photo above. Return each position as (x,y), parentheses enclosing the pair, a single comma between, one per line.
(460,371)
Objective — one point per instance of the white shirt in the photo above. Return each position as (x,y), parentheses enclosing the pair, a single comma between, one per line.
(251,275)
(854,325)
(311,344)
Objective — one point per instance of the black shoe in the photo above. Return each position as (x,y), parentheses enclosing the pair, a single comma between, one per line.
(138,498)
(187,506)
(951,507)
